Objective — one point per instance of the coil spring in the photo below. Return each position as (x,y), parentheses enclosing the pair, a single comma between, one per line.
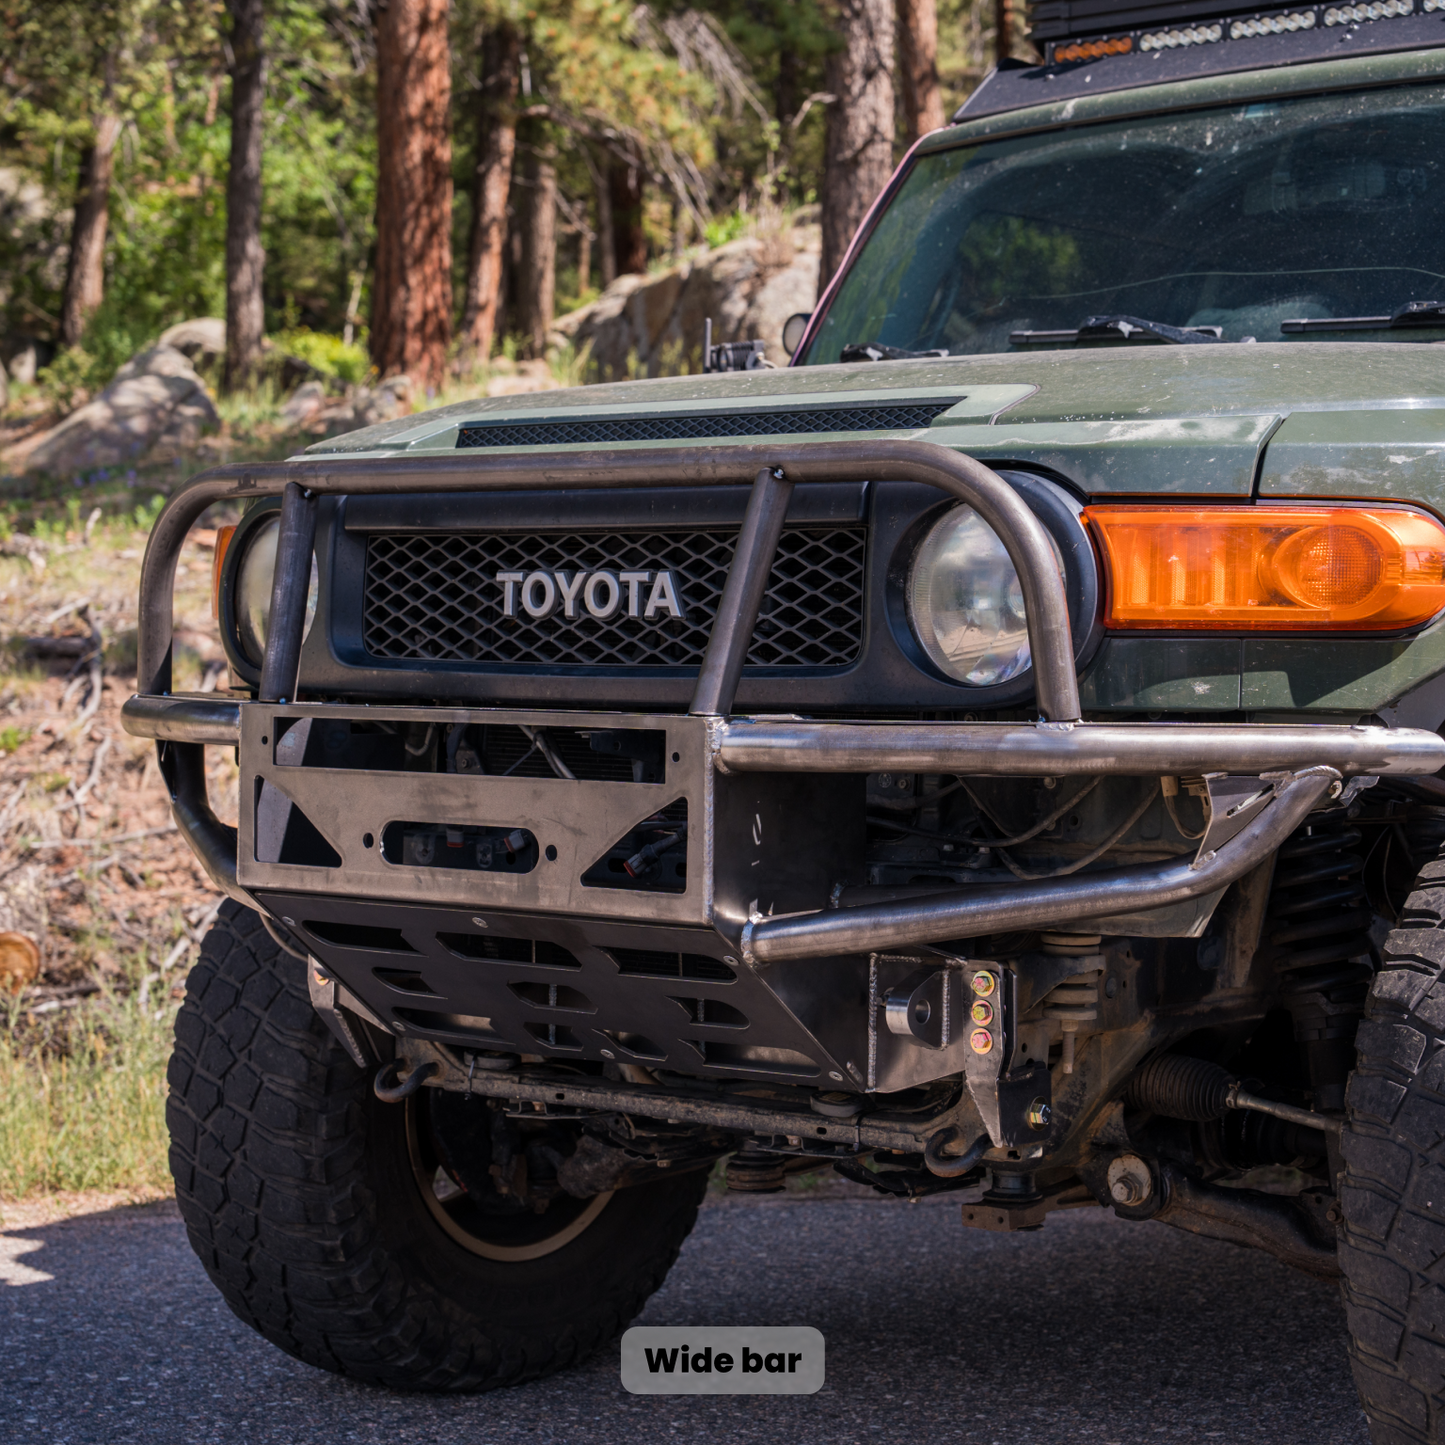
(1316,934)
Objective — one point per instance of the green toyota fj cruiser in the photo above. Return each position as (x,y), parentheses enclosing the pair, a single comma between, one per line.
(995,753)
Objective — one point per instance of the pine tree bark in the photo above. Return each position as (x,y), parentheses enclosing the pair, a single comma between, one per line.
(918,67)
(85,270)
(491,181)
(537,216)
(1003,24)
(411,292)
(245,256)
(606,232)
(858,146)
(629,240)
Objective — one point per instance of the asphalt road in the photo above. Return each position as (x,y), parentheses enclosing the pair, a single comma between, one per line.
(1092,1330)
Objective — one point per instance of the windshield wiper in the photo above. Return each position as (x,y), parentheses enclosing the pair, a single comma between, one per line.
(1121,328)
(1412,313)
(876,351)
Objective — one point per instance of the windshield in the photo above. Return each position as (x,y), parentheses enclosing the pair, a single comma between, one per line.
(1240,219)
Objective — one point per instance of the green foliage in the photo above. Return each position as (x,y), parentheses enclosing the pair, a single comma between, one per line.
(67,378)
(12,737)
(726,228)
(82,1104)
(330,355)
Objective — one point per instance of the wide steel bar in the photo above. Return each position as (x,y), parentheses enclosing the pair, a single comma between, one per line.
(183,718)
(742,598)
(970,912)
(1086,749)
(286,624)
(1024,538)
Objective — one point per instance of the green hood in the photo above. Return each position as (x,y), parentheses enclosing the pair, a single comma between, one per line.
(1324,417)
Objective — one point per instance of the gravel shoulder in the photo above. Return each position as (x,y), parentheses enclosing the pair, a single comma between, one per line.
(1090,1330)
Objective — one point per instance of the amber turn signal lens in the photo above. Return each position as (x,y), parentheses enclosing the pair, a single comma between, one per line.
(223,540)
(1270,568)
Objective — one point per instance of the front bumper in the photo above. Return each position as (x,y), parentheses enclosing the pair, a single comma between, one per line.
(774,806)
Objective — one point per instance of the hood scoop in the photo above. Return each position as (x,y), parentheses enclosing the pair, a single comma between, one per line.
(895,416)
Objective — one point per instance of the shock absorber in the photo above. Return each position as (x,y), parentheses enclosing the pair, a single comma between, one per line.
(1075,1001)
(1317,934)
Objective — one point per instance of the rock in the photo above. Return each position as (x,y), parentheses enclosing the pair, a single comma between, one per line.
(155,402)
(303,404)
(23,365)
(365,406)
(525,376)
(748,288)
(201,339)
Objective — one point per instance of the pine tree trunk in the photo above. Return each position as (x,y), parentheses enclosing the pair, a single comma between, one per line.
(496,146)
(918,67)
(1003,24)
(584,263)
(606,232)
(537,208)
(85,270)
(245,258)
(629,240)
(411,294)
(858,148)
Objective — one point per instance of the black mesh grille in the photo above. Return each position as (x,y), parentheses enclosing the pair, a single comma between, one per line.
(436,598)
(907,416)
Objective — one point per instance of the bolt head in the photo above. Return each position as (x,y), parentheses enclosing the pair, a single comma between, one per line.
(1040,1115)
(981,1012)
(1130,1182)
(984,983)
(981,1041)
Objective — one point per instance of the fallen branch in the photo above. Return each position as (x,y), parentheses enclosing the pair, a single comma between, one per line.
(35,847)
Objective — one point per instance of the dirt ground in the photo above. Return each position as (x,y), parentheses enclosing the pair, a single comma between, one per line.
(89,860)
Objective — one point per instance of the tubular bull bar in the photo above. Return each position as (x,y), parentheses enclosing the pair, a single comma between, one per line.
(1286,770)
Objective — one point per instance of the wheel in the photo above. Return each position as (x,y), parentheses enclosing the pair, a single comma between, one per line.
(1393,1192)
(371,1239)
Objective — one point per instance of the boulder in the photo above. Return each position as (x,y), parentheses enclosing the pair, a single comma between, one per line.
(526,376)
(155,402)
(748,288)
(23,365)
(201,339)
(303,404)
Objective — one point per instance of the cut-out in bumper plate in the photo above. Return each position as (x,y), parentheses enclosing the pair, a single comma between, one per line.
(328,791)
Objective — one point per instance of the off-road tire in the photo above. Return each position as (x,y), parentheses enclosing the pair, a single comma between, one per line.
(1393,1192)
(300,1199)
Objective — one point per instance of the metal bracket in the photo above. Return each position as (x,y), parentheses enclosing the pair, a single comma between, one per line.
(1234,803)
(329,999)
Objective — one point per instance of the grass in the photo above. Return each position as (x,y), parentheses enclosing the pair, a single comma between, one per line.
(82,1101)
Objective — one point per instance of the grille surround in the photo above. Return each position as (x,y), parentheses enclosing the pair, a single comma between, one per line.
(901,416)
(433,597)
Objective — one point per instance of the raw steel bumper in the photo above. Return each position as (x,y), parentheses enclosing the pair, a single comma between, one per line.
(773,825)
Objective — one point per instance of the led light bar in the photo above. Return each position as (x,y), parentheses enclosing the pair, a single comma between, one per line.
(1246,27)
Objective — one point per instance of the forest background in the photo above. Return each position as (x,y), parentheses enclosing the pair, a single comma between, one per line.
(414,186)
(364,190)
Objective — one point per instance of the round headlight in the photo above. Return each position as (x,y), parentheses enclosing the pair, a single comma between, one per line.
(253,589)
(965,602)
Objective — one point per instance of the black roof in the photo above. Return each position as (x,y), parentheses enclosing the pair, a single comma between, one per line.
(1091,46)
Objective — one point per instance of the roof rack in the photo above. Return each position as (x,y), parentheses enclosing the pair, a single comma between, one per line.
(1092,46)
(1071,31)
(1070,19)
